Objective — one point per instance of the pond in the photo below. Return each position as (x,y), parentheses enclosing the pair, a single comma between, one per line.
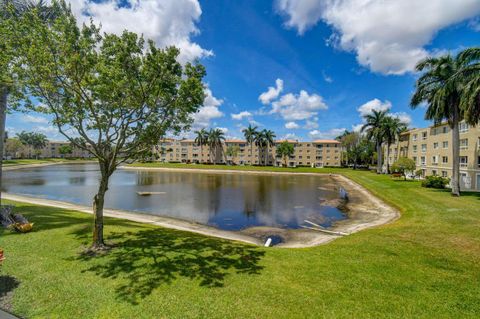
(228,201)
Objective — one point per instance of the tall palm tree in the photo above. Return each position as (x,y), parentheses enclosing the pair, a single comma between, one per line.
(260,143)
(201,139)
(269,141)
(215,139)
(11,9)
(391,130)
(470,76)
(441,89)
(374,128)
(250,134)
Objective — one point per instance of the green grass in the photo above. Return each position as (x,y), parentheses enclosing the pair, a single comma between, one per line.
(424,265)
(17,162)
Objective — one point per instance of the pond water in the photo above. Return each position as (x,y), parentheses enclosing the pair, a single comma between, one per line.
(226,201)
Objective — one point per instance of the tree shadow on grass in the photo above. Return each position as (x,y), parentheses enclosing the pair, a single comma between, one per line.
(7,285)
(147,259)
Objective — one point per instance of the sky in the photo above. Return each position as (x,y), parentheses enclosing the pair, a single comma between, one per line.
(306,69)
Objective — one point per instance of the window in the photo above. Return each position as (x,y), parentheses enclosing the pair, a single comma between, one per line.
(414,148)
(422,160)
(435,160)
(445,144)
(478,162)
(434,172)
(444,159)
(435,145)
(414,137)
(463,127)
(464,143)
(424,135)
(445,129)
(415,159)
(444,174)
(424,148)
(463,161)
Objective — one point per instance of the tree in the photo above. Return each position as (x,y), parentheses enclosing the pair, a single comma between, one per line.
(392,127)
(348,141)
(112,96)
(285,150)
(232,151)
(269,141)
(65,149)
(250,134)
(201,139)
(374,128)
(404,165)
(13,146)
(470,77)
(215,140)
(441,89)
(37,141)
(10,10)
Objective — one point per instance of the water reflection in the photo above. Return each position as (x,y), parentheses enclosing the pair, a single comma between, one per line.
(227,201)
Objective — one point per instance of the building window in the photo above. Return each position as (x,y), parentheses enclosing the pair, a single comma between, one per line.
(445,144)
(444,174)
(415,159)
(414,148)
(445,129)
(463,127)
(422,160)
(424,148)
(463,161)
(435,145)
(414,137)
(435,160)
(434,172)
(444,159)
(424,135)
(464,143)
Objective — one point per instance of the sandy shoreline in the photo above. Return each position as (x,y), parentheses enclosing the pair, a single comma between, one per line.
(364,211)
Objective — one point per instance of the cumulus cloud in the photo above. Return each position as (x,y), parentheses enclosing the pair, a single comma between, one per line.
(291,125)
(223,129)
(374,104)
(295,107)
(240,116)
(28,118)
(209,110)
(272,92)
(387,36)
(404,117)
(327,135)
(311,124)
(167,22)
(289,136)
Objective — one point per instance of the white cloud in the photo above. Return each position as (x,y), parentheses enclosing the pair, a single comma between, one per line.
(289,136)
(223,129)
(28,118)
(357,127)
(404,117)
(295,107)
(311,124)
(328,135)
(208,111)
(374,104)
(387,36)
(291,125)
(241,115)
(167,22)
(272,92)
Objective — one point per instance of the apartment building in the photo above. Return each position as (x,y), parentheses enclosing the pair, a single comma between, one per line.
(317,153)
(431,149)
(51,150)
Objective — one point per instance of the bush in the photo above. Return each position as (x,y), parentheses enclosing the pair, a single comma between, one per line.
(435,182)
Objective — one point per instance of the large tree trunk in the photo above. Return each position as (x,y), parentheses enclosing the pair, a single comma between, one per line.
(388,158)
(456,154)
(379,158)
(3,113)
(98,203)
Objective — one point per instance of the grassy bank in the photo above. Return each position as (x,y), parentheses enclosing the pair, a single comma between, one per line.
(426,264)
(18,162)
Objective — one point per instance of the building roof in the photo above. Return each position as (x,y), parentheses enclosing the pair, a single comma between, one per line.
(235,141)
(326,141)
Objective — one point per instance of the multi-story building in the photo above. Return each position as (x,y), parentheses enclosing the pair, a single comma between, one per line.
(431,149)
(318,153)
(51,150)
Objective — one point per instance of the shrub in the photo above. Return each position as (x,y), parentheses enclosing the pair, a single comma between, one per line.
(435,182)
(402,166)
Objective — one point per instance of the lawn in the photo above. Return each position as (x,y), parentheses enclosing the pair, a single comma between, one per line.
(426,264)
(17,162)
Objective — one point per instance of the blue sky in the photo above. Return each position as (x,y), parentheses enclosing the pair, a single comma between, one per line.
(326,62)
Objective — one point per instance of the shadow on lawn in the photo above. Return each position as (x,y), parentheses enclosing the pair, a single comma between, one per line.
(7,285)
(144,260)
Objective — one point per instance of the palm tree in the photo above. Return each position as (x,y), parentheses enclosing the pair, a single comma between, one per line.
(201,139)
(392,126)
(374,128)
(215,139)
(470,76)
(10,9)
(250,134)
(285,150)
(441,89)
(260,143)
(269,141)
